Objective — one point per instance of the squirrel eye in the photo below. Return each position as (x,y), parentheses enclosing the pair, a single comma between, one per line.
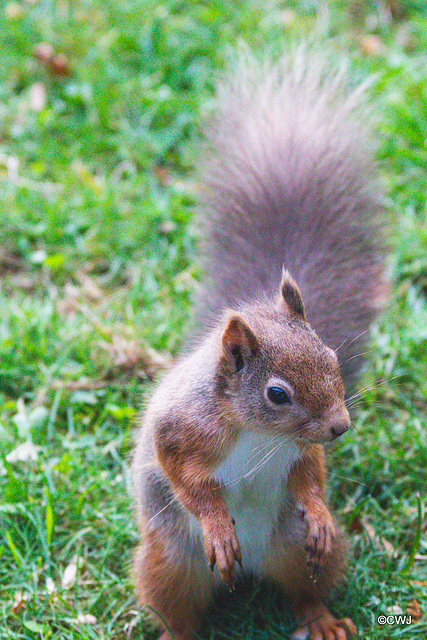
(278,395)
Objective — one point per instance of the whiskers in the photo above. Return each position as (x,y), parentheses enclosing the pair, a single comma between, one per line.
(259,456)
(251,473)
(358,397)
(158,513)
(273,446)
(343,343)
(358,355)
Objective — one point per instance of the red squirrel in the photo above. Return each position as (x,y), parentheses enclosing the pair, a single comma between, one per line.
(229,464)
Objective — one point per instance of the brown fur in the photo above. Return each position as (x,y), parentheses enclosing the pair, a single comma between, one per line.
(174,590)
(188,463)
(306,484)
(192,424)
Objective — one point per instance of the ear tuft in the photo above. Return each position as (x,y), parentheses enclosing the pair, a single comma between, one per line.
(290,299)
(239,342)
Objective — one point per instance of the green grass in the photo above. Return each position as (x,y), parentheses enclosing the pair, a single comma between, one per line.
(98,264)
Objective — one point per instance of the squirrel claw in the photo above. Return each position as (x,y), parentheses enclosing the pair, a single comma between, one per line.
(222,549)
(320,533)
(316,570)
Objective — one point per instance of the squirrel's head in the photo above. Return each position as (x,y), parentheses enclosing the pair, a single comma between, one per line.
(276,375)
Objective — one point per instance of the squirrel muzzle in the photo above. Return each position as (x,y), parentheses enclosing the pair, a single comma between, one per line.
(338,422)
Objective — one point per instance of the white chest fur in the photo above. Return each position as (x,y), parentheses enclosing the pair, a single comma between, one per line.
(253,476)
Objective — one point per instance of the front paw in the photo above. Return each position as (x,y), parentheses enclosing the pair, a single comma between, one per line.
(320,533)
(222,547)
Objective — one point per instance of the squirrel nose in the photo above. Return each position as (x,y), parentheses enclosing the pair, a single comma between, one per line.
(340,423)
(338,429)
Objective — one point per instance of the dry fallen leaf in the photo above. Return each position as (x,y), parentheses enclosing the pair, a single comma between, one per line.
(162,175)
(57,64)
(60,65)
(11,163)
(24,452)
(13,10)
(89,287)
(38,97)
(413,609)
(50,585)
(69,304)
(287,17)
(83,383)
(129,626)
(394,610)
(85,618)
(418,583)
(361,525)
(371,45)
(44,52)
(25,282)
(396,8)
(8,261)
(18,602)
(166,227)
(70,574)
(124,354)
(404,38)
(128,355)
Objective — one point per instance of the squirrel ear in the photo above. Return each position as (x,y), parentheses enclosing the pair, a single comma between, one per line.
(238,342)
(290,299)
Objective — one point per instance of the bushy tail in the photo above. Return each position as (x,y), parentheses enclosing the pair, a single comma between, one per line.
(289,179)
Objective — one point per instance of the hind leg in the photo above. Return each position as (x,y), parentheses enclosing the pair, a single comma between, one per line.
(317,623)
(287,567)
(176,587)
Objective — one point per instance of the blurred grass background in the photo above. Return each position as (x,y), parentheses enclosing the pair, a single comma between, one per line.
(101,106)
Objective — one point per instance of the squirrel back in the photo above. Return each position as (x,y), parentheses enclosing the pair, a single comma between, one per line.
(290,180)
